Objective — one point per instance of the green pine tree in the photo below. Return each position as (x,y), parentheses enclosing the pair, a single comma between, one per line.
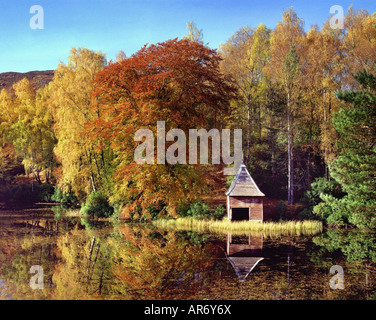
(355,168)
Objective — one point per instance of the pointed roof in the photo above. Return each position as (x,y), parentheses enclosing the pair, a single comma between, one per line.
(244,185)
(244,265)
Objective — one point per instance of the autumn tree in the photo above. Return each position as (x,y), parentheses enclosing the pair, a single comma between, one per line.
(245,56)
(27,125)
(7,114)
(82,167)
(285,70)
(323,66)
(8,156)
(359,43)
(177,81)
(193,33)
(121,56)
(235,63)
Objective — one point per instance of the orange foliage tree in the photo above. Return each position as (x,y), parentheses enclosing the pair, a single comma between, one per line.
(177,81)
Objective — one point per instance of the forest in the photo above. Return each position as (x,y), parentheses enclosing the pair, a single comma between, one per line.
(305,101)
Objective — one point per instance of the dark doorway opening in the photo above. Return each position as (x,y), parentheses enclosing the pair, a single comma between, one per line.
(240,214)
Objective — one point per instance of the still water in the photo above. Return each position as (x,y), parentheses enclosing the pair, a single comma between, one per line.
(46,255)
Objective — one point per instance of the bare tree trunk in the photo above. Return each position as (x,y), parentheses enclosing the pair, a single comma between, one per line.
(273,163)
(36,176)
(248,132)
(92,183)
(290,153)
(292,166)
(47,175)
(309,169)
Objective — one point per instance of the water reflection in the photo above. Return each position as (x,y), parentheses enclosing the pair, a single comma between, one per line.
(92,259)
(244,253)
(163,265)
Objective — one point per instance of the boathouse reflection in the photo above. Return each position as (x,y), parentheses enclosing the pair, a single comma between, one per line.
(244,253)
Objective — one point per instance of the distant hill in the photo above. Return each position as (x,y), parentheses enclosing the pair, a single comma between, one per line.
(38,78)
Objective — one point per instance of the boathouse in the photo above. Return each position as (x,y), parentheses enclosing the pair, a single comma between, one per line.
(244,198)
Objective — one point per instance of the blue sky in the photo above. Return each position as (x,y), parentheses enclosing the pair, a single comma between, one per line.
(114,25)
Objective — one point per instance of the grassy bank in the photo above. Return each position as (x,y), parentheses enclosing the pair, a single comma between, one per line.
(307,227)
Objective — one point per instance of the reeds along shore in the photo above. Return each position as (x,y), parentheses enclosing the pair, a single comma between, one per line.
(306,227)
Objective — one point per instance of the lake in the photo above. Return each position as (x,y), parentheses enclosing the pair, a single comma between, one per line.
(48,255)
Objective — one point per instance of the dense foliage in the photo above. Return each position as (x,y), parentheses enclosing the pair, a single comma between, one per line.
(97,205)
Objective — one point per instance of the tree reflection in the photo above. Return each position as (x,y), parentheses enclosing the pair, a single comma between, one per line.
(354,245)
(24,243)
(158,265)
(84,271)
(356,252)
